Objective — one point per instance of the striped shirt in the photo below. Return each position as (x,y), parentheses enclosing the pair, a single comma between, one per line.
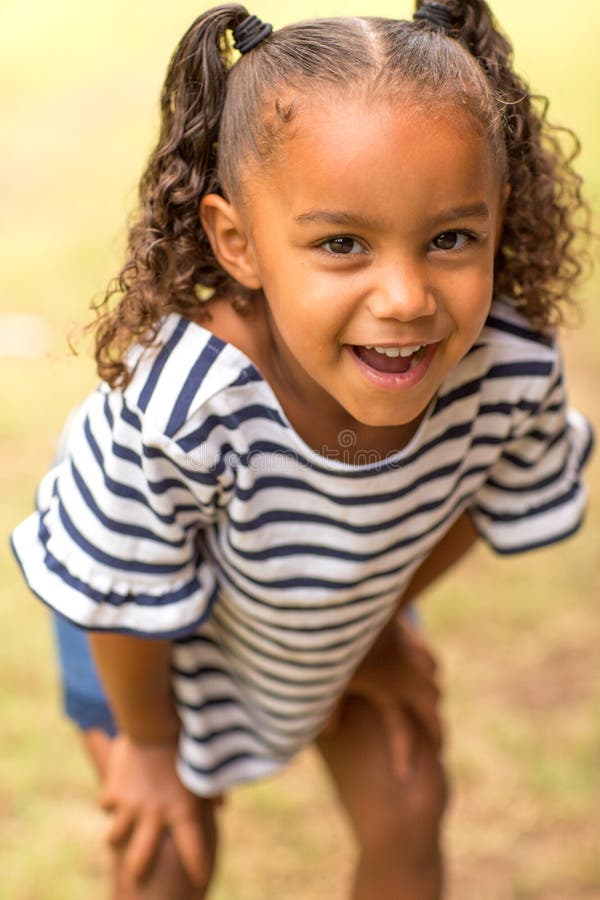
(187,507)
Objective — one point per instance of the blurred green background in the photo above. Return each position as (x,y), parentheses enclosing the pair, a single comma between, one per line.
(517,638)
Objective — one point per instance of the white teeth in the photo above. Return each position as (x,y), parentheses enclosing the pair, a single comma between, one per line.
(395,351)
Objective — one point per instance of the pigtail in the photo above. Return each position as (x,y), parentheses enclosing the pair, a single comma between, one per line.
(169,254)
(538,264)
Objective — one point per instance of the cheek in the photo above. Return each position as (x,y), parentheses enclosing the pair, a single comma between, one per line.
(472,298)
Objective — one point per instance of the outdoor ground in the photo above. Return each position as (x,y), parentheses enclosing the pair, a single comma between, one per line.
(518,639)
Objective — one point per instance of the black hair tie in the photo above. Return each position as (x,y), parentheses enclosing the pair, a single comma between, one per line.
(250,33)
(436,14)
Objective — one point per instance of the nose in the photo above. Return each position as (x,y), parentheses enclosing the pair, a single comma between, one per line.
(401,290)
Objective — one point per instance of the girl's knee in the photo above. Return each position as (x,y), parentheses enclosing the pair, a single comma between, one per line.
(409,815)
(166,879)
(385,811)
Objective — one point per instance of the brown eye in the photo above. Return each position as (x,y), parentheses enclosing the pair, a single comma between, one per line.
(450,240)
(343,246)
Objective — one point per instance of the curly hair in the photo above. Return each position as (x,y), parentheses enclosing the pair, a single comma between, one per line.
(216,116)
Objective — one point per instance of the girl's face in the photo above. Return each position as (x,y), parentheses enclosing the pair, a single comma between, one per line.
(376,228)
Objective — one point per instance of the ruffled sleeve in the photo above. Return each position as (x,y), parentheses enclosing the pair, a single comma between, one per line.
(534,494)
(115,542)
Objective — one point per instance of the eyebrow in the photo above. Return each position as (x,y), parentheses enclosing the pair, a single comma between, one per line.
(334,217)
(343,217)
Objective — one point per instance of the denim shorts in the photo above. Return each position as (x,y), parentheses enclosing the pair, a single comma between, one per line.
(84,700)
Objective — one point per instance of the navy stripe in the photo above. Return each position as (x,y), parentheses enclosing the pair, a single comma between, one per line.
(555,385)
(289,483)
(114,525)
(267,712)
(291,649)
(254,650)
(248,375)
(223,764)
(588,448)
(508,409)
(277,640)
(246,678)
(192,384)
(518,330)
(164,484)
(56,567)
(309,582)
(209,703)
(520,463)
(286,722)
(274,551)
(130,417)
(229,422)
(214,734)
(159,364)
(288,515)
(531,511)
(468,389)
(531,486)
(309,609)
(120,451)
(352,500)
(113,598)
(398,462)
(540,542)
(108,414)
(126,491)
(285,606)
(488,440)
(107,559)
(271,734)
(532,367)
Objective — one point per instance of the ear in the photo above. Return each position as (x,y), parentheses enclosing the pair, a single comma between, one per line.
(228,238)
(503,201)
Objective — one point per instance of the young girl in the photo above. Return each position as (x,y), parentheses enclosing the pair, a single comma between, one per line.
(331,365)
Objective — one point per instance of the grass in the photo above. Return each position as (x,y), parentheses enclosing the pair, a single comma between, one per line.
(518,638)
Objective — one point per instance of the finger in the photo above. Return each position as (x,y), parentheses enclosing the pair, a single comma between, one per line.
(400,739)
(424,707)
(142,846)
(192,846)
(120,826)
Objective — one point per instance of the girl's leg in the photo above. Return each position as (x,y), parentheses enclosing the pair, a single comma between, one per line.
(86,705)
(396,822)
(167,880)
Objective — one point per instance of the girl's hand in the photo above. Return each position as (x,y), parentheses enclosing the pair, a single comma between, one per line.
(398,678)
(145,796)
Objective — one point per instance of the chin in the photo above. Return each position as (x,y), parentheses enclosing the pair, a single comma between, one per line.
(386,418)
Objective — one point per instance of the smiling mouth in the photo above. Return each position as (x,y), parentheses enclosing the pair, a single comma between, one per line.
(390,359)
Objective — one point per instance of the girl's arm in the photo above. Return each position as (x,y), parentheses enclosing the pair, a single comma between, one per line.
(136,675)
(141,788)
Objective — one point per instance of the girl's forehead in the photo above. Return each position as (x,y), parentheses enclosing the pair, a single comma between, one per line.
(384,161)
(378,136)
(338,121)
